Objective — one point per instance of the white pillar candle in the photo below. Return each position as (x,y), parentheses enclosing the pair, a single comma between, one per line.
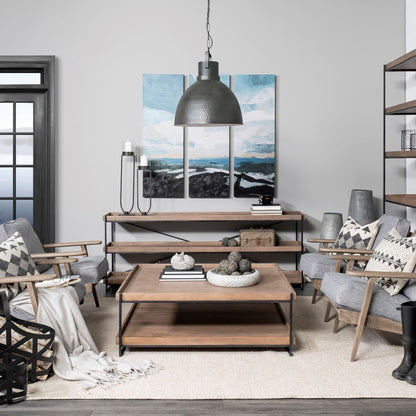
(128,146)
(143,161)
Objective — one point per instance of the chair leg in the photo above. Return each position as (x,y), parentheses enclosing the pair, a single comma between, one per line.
(94,293)
(336,323)
(363,316)
(316,287)
(328,311)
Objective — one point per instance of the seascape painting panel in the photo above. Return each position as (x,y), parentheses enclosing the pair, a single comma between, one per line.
(254,141)
(209,158)
(163,143)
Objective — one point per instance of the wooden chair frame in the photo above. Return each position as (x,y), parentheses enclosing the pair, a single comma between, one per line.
(83,252)
(326,250)
(31,280)
(361,318)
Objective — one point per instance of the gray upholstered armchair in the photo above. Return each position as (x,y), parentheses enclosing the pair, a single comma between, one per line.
(91,269)
(315,265)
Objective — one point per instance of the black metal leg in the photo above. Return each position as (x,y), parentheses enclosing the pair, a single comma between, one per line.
(291,326)
(120,320)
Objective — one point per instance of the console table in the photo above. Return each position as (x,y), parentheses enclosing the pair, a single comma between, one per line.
(113,247)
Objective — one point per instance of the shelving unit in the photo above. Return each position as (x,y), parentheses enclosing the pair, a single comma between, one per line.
(404,63)
(113,247)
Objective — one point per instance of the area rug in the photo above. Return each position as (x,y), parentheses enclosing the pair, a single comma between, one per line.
(319,368)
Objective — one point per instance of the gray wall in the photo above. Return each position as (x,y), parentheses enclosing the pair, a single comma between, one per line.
(327,55)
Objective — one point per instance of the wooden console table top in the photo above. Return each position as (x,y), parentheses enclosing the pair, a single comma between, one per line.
(201,216)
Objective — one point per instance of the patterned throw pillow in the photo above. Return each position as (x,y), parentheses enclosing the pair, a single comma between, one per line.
(15,261)
(355,236)
(394,253)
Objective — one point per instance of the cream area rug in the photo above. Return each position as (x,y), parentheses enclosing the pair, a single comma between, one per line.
(319,368)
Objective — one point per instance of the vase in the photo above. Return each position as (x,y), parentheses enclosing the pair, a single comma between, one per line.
(361,206)
(331,224)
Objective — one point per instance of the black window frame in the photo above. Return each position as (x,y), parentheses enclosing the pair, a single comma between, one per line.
(44,223)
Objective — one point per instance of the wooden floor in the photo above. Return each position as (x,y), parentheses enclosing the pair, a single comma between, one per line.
(293,407)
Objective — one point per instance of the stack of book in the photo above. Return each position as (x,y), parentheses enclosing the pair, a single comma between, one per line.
(266,209)
(169,274)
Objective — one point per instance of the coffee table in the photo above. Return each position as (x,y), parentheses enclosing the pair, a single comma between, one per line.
(198,314)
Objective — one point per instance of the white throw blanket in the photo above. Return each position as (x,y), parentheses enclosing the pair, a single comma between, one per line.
(76,356)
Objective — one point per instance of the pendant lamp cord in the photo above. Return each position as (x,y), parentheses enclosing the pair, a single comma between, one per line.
(210,42)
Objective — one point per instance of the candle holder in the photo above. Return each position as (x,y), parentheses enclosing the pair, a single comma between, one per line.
(144,168)
(128,161)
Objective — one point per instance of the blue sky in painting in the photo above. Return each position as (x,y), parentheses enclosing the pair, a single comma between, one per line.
(161,94)
(256,95)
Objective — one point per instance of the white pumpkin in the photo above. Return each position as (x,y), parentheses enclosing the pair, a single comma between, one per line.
(182,262)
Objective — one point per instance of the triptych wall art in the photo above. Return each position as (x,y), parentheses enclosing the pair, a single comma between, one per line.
(208,148)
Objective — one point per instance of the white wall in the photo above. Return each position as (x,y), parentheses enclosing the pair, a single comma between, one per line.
(328,56)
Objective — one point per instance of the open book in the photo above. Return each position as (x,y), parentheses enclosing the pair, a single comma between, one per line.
(59,281)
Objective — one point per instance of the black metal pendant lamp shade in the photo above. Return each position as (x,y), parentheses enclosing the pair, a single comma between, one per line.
(208,102)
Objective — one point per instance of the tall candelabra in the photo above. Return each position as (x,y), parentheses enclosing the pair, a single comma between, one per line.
(144,166)
(127,168)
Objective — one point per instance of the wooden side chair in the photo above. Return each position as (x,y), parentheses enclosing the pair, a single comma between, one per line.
(315,265)
(362,303)
(91,269)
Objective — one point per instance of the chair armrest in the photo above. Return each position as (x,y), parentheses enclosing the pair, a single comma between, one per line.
(390,275)
(27,278)
(321,240)
(347,250)
(56,261)
(57,254)
(78,243)
(349,257)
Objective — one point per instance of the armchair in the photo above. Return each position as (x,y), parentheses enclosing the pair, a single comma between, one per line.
(362,303)
(315,265)
(91,269)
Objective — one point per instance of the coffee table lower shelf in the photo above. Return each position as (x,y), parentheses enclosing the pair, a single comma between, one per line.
(155,325)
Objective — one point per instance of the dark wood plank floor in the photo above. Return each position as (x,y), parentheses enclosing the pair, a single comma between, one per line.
(292,407)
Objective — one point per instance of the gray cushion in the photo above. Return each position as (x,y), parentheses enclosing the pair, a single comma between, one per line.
(387,223)
(410,289)
(31,239)
(347,292)
(315,265)
(90,269)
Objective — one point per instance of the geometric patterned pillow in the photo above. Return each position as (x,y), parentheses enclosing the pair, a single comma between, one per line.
(394,253)
(15,261)
(355,236)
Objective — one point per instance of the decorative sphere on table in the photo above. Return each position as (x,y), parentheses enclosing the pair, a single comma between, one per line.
(182,261)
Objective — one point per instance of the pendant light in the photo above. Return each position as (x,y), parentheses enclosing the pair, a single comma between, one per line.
(208,102)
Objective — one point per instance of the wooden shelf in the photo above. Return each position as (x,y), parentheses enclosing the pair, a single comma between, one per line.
(402,109)
(156,324)
(406,62)
(408,200)
(400,154)
(197,247)
(201,217)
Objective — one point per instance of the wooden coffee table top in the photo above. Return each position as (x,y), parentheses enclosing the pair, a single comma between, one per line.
(142,284)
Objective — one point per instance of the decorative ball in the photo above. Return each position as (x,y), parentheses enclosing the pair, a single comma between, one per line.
(224,241)
(232,242)
(236,273)
(244,265)
(228,266)
(235,256)
(182,262)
